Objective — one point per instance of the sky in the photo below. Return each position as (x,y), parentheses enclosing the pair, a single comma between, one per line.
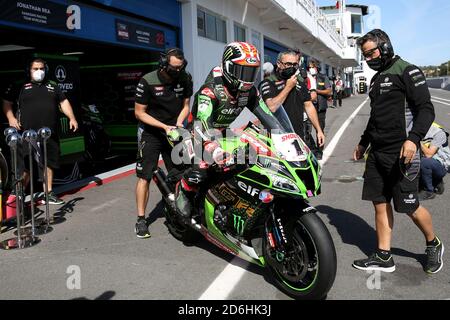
(419,29)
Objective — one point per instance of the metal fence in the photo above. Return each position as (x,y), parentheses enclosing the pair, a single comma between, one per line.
(312,8)
(439,83)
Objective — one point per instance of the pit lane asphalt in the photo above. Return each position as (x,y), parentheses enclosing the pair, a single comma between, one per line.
(97,237)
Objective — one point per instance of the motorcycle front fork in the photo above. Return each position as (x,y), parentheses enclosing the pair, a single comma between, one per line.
(276,237)
(276,234)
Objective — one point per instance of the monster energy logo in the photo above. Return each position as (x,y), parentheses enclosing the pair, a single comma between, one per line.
(238,224)
(228,54)
(64,125)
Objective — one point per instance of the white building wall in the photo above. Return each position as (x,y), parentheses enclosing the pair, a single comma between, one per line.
(346,20)
(203,53)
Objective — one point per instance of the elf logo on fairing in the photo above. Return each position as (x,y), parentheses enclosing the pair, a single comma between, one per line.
(74,17)
(231,111)
(249,189)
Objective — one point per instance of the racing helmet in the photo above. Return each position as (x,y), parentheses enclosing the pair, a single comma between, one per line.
(240,65)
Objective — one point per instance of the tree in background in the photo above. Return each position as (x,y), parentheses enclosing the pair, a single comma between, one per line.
(437,71)
(443,69)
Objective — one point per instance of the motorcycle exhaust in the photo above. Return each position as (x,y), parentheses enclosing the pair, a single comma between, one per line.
(160,179)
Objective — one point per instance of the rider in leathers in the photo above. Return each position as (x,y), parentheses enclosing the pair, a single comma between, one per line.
(228,89)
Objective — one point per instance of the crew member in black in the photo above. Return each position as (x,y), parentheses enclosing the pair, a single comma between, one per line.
(279,90)
(162,104)
(401,114)
(321,94)
(38,104)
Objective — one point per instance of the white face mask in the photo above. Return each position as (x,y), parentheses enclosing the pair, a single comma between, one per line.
(313,71)
(38,75)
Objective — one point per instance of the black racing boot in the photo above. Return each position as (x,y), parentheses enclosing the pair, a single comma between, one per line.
(182,202)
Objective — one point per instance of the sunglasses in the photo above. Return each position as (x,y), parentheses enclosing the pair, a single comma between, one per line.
(369,53)
(290,64)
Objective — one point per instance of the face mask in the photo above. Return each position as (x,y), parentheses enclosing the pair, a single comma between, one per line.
(287,73)
(38,75)
(375,64)
(173,74)
(313,71)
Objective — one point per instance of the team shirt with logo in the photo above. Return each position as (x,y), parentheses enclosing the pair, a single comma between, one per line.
(401,107)
(164,100)
(294,103)
(38,104)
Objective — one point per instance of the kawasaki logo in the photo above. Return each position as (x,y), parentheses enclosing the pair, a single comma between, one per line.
(238,224)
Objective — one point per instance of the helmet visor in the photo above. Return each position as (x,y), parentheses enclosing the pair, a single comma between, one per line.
(243,73)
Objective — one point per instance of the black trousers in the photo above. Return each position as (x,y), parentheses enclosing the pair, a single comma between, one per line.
(322,116)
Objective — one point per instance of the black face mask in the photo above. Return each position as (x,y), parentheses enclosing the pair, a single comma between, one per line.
(375,64)
(172,73)
(287,73)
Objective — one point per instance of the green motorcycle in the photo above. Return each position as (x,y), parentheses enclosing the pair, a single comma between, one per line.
(259,209)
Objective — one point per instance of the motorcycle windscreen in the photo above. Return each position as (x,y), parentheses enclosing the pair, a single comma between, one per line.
(275,123)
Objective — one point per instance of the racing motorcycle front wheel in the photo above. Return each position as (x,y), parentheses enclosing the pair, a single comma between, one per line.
(307,269)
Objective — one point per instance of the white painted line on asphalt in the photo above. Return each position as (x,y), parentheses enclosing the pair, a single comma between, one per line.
(438,98)
(333,143)
(106,204)
(437,89)
(441,102)
(225,282)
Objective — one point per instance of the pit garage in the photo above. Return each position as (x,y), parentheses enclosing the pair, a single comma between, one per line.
(96,52)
